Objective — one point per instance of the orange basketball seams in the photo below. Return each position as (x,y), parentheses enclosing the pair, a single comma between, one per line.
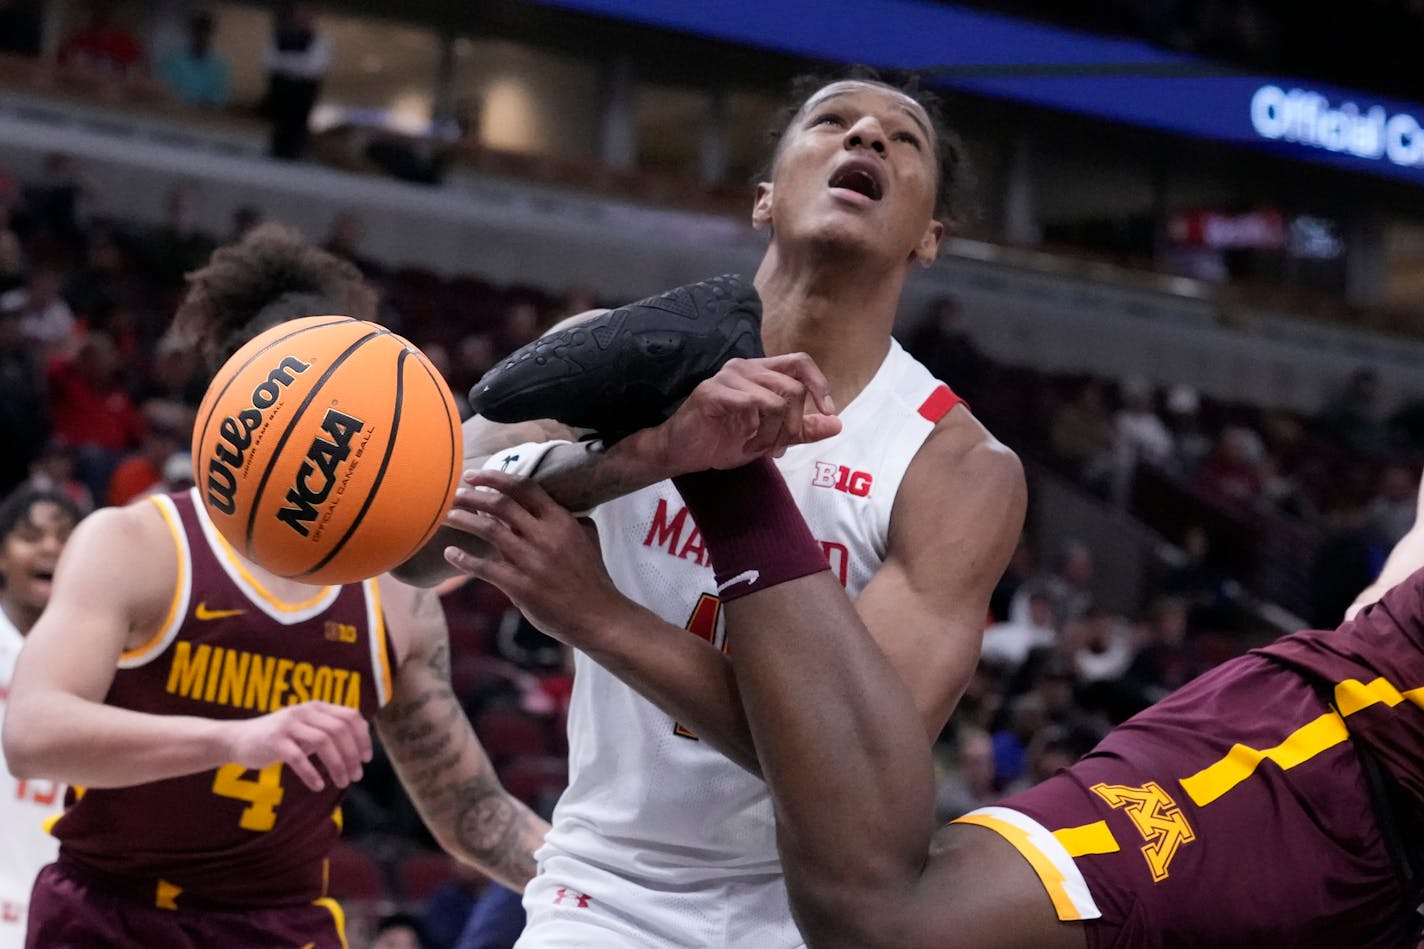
(327,450)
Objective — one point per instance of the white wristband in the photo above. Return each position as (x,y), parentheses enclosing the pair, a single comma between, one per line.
(522,460)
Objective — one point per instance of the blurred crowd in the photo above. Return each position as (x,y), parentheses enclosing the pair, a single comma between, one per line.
(98,400)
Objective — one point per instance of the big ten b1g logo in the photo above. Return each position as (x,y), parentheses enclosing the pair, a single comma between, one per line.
(841,478)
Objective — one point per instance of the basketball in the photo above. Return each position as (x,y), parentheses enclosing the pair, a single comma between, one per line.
(327,450)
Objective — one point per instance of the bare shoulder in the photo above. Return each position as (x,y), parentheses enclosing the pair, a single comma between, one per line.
(122,557)
(962,451)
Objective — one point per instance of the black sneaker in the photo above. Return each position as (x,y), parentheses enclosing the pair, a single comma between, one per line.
(629,368)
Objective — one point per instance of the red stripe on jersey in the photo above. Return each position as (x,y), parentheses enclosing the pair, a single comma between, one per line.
(940,401)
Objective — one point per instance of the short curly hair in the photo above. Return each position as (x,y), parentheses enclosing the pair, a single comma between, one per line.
(268,277)
(955,176)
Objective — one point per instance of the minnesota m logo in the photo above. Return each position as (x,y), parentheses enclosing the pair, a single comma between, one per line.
(1156,817)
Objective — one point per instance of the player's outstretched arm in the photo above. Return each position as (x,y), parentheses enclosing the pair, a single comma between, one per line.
(1405,558)
(954,526)
(550,567)
(112,590)
(434,749)
(748,408)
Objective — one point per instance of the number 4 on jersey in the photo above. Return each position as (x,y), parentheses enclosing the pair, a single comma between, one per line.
(702,624)
(262,795)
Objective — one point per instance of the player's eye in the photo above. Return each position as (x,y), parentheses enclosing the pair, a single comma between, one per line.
(828,118)
(909,138)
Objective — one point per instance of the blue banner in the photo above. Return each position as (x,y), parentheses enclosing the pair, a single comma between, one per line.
(1119,80)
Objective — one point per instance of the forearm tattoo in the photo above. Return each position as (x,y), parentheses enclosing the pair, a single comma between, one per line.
(451,781)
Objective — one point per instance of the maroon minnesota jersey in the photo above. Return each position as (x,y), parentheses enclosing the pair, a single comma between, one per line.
(229,649)
(1372,669)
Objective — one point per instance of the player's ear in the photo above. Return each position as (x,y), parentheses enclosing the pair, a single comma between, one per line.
(761,210)
(927,250)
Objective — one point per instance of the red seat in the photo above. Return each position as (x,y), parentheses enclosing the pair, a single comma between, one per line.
(508,733)
(421,874)
(355,876)
(537,780)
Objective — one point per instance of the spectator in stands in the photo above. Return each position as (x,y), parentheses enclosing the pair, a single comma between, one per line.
(103,281)
(1069,585)
(1009,643)
(53,470)
(296,62)
(12,252)
(23,401)
(1184,419)
(942,344)
(46,320)
(348,231)
(399,931)
(1391,513)
(91,410)
(1082,436)
(1141,438)
(1099,645)
(496,920)
(1232,475)
(142,469)
(54,208)
(102,48)
(1049,751)
(445,911)
(522,324)
(1195,579)
(178,246)
(196,73)
(1353,417)
(1347,560)
(968,778)
(1164,661)
(1022,565)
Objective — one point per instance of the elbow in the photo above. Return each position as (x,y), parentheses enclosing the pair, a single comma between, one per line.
(846,913)
(24,753)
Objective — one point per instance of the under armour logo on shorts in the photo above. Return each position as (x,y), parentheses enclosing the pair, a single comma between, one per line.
(565,893)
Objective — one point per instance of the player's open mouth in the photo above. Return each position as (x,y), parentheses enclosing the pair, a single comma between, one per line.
(862,177)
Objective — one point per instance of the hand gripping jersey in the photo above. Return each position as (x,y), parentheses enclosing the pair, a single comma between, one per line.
(229,649)
(646,798)
(25,806)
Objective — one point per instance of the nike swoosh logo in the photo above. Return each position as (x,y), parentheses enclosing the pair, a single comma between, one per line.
(203,613)
(746,576)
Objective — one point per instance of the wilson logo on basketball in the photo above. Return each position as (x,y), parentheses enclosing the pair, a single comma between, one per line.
(324,457)
(235,434)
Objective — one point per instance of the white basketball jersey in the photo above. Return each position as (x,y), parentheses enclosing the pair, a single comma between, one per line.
(646,799)
(25,806)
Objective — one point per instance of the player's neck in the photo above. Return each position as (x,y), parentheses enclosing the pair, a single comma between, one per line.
(287,591)
(840,316)
(23,617)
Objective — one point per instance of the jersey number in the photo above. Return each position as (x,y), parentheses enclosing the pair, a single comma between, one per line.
(702,624)
(262,795)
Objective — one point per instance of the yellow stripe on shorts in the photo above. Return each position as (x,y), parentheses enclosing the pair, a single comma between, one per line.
(1050,860)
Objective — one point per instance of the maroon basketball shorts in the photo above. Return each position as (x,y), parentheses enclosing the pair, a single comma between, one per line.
(1234,813)
(70,909)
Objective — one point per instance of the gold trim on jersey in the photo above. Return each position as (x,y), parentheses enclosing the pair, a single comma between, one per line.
(1087,840)
(1051,860)
(237,571)
(1322,734)
(182,591)
(338,915)
(376,622)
